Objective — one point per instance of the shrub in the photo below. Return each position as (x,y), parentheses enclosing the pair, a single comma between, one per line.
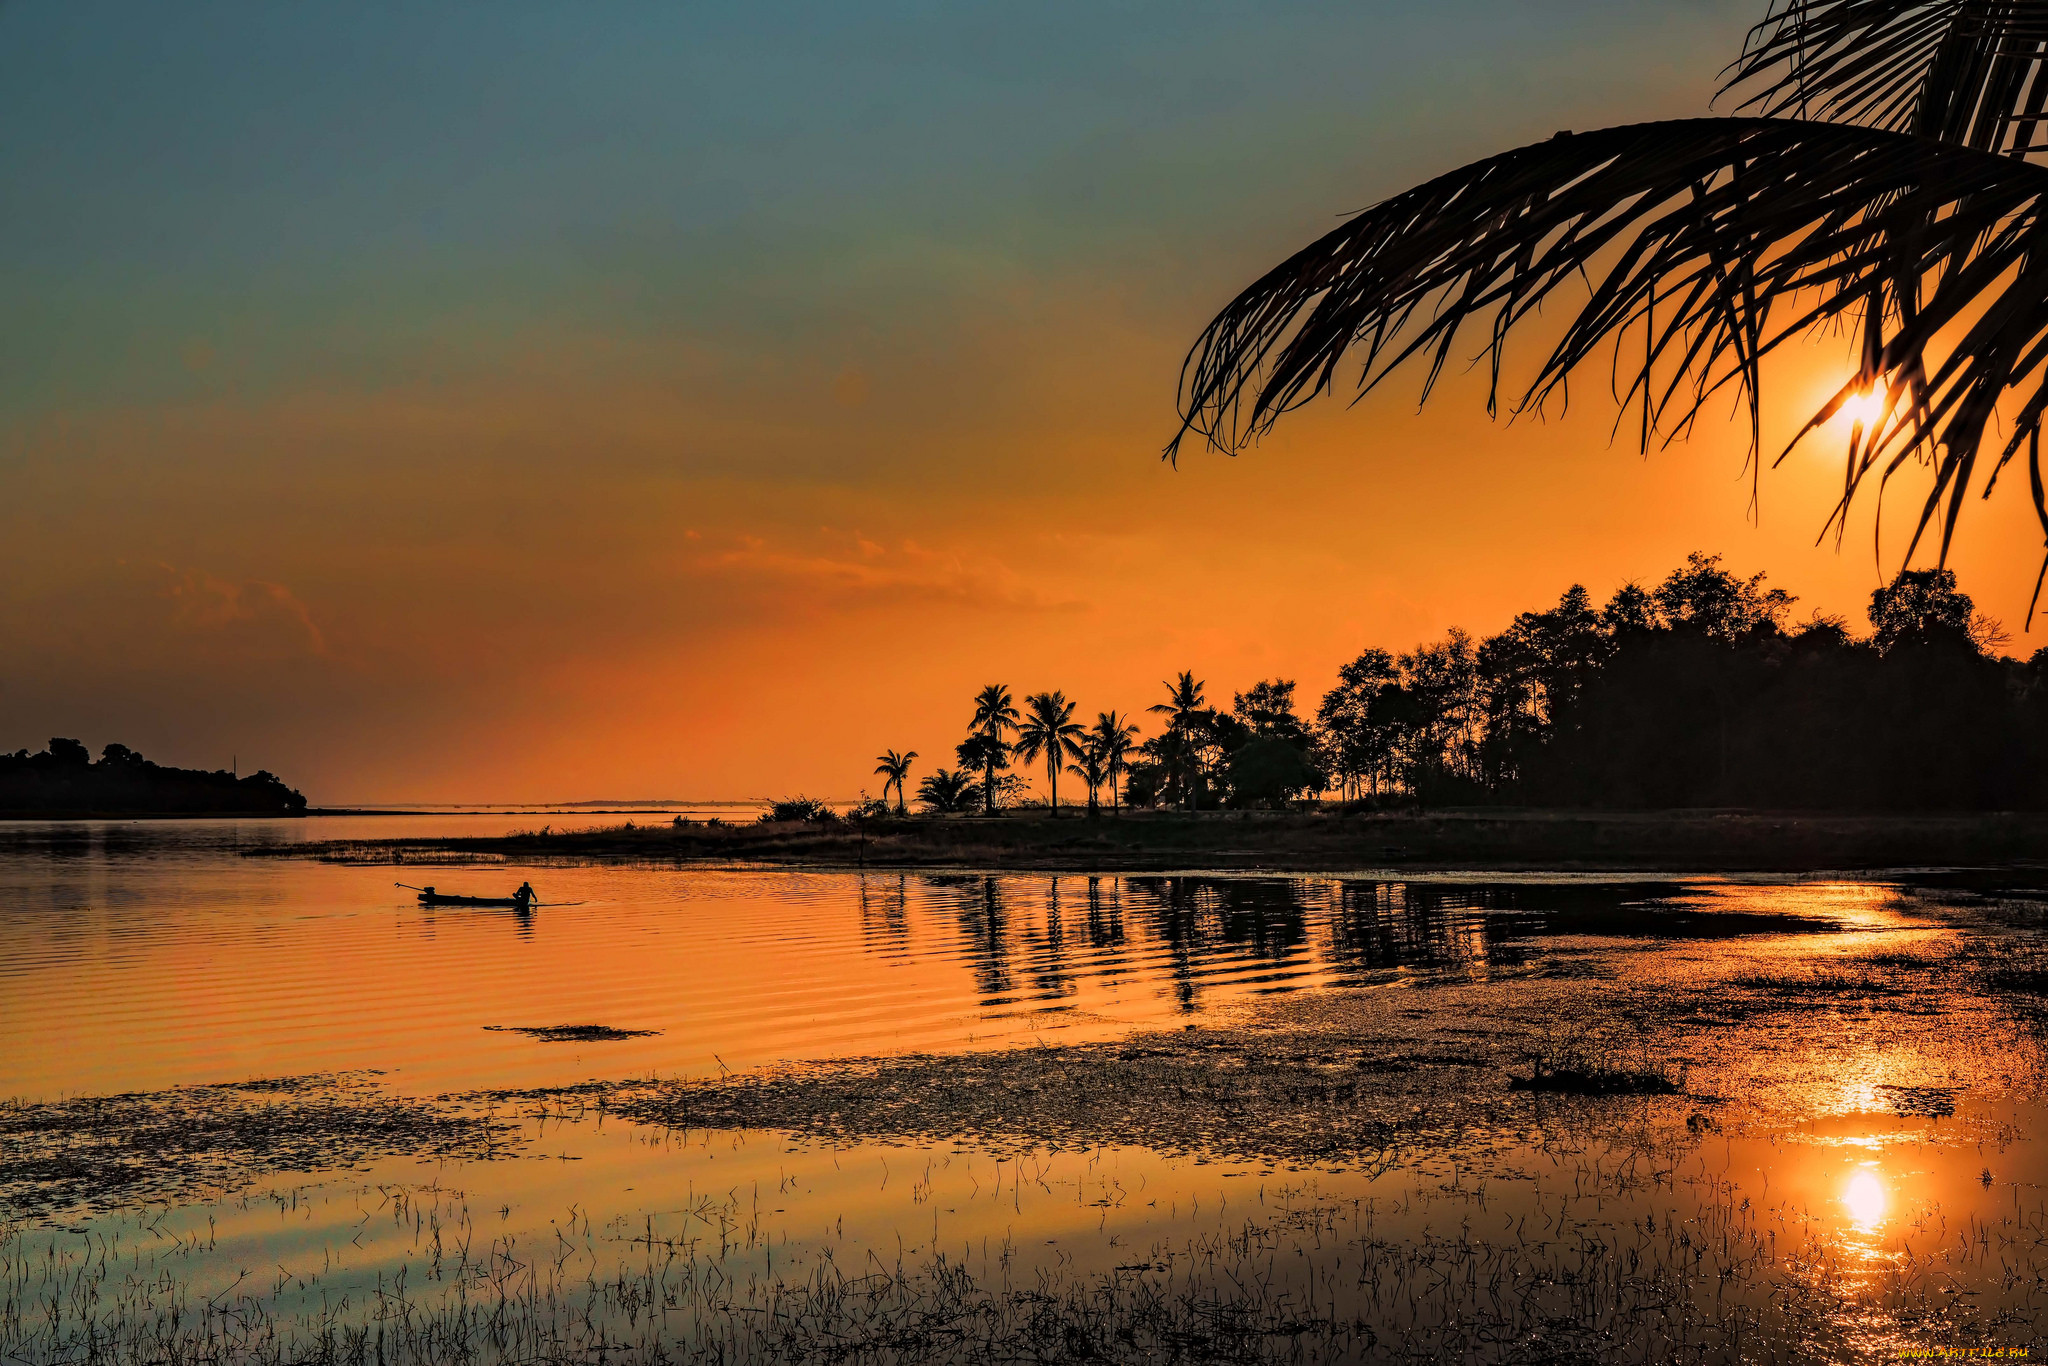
(807,809)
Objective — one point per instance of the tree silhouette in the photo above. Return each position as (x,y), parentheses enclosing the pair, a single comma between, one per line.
(1356,747)
(1092,768)
(1183,712)
(994,716)
(1049,729)
(894,768)
(1113,737)
(1923,607)
(947,793)
(1875,180)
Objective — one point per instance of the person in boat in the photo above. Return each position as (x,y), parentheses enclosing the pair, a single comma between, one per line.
(525,895)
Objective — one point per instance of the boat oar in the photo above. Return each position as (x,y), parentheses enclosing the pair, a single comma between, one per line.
(408,886)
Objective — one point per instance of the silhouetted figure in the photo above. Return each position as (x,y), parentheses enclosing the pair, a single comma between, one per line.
(525,895)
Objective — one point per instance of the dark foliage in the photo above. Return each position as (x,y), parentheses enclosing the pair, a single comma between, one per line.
(1697,693)
(807,809)
(63,780)
(1877,187)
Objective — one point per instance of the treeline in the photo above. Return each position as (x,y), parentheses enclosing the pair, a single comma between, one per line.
(1698,692)
(64,780)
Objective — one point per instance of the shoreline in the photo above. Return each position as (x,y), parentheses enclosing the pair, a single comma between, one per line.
(1478,840)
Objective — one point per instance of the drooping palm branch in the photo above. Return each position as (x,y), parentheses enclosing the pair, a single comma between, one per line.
(1915,224)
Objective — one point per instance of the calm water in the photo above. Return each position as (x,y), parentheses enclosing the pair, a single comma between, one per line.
(145,955)
(1860,1159)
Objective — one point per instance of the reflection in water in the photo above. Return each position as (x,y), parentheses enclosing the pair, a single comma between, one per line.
(226,967)
(1864,1198)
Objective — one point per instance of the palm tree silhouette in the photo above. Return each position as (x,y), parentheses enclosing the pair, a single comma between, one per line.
(1113,737)
(994,714)
(945,792)
(1875,180)
(1092,768)
(894,768)
(1182,708)
(1049,728)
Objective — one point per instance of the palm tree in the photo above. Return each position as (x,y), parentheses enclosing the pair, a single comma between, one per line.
(1092,768)
(894,768)
(1049,728)
(1182,710)
(1875,183)
(1114,737)
(993,716)
(946,792)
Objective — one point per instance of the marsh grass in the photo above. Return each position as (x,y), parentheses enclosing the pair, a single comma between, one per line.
(1847,979)
(1320,1282)
(579,1033)
(2018,968)
(1577,1060)
(109,1151)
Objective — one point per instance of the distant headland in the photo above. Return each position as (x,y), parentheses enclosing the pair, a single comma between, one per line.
(64,781)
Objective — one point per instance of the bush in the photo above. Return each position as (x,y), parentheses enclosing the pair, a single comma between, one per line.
(807,809)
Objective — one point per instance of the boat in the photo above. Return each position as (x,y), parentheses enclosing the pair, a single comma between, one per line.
(444,899)
(429,897)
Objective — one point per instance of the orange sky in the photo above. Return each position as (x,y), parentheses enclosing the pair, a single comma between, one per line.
(670,507)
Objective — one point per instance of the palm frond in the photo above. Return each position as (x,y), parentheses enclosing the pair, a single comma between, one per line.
(1967,72)
(1713,242)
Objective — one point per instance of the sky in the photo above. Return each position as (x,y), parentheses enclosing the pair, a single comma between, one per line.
(535,401)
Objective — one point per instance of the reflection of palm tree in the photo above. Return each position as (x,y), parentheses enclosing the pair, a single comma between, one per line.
(1878,186)
(993,716)
(1182,708)
(1049,728)
(894,768)
(1113,738)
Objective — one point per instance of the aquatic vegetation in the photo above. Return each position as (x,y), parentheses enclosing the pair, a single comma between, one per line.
(113,1151)
(1576,1060)
(573,1033)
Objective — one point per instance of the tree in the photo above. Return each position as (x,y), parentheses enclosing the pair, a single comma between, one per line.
(1707,598)
(1922,607)
(1875,184)
(1092,768)
(945,792)
(1114,737)
(893,769)
(1272,759)
(994,718)
(1049,729)
(1356,747)
(1267,711)
(1266,770)
(1176,749)
(1441,687)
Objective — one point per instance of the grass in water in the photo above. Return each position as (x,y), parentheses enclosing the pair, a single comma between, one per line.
(577,1033)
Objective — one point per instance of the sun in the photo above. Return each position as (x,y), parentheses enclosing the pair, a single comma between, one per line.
(1865,1198)
(1864,408)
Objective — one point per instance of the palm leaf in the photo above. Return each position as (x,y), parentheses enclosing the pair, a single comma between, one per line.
(1716,241)
(1967,72)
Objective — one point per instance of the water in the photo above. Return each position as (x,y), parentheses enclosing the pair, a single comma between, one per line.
(1848,1172)
(143,956)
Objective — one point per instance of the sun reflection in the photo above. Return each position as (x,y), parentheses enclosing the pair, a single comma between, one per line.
(1865,1198)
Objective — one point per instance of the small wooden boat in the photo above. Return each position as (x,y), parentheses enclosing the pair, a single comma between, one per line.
(429,897)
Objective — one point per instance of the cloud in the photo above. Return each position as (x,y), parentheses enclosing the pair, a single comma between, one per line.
(257,614)
(869,570)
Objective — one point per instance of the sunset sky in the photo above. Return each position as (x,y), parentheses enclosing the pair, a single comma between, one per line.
(547,401)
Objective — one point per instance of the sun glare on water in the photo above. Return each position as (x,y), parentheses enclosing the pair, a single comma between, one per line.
(1864,1198)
